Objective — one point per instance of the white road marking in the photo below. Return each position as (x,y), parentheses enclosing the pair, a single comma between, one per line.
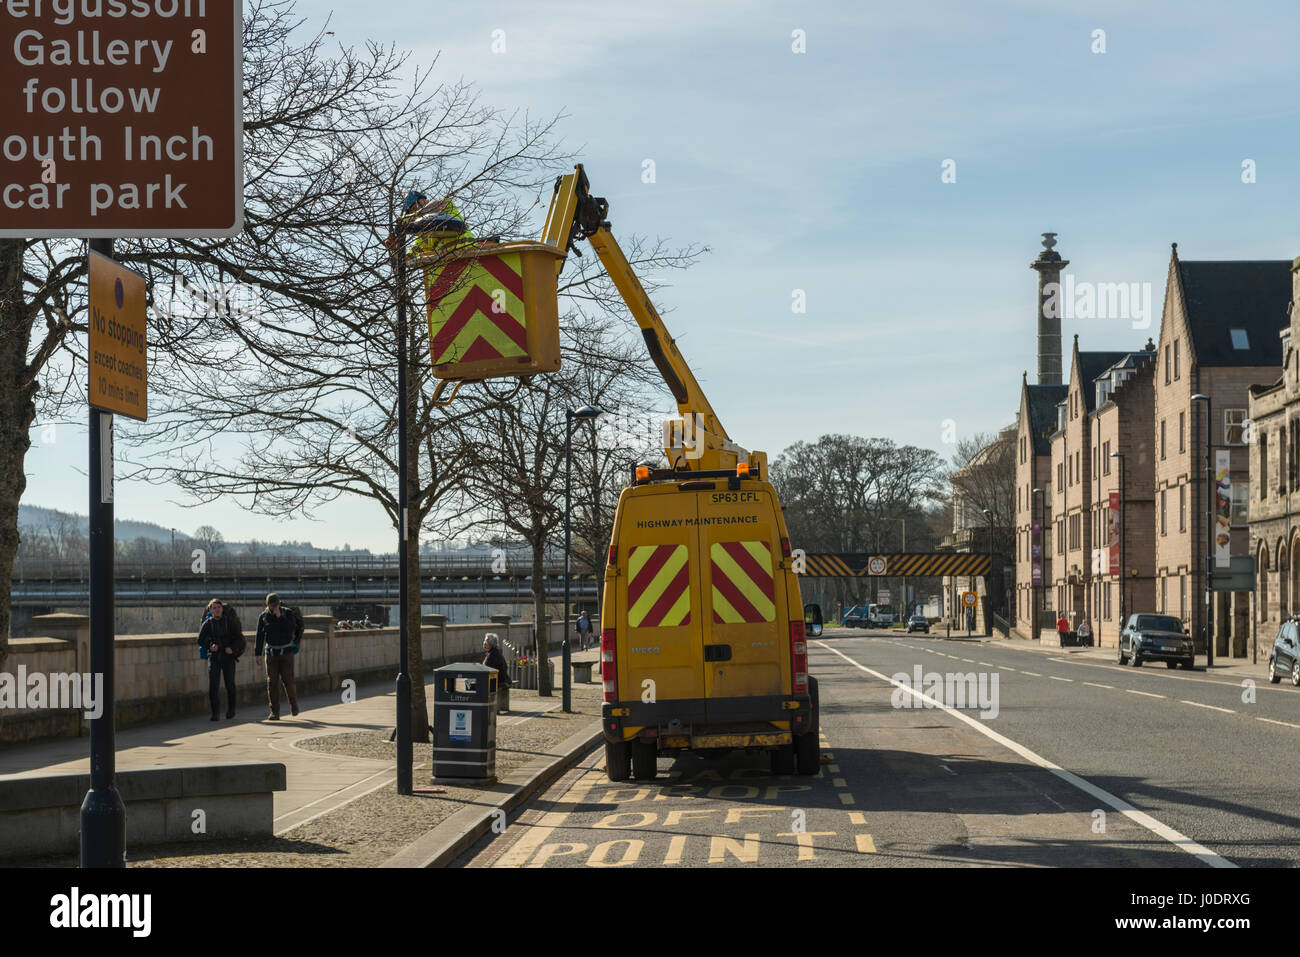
(1093,684)
(1034,673)
(1055,678)
(1146,694)
(1285,724)
(1197,704)
(1181,841)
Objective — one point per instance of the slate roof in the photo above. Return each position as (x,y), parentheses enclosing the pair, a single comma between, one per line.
(1042,401)
(1240,294)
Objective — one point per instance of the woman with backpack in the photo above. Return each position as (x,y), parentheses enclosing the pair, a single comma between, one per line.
(222,639)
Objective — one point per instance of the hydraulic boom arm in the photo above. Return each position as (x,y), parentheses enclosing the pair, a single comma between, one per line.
(697,441)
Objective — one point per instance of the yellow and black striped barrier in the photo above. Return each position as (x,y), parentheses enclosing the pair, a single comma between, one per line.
(896,565)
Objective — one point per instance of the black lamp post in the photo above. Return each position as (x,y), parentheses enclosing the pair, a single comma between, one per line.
(1209,525)
(1123,534)
(988,581)
(441,226)
(1036,619)
(586,413)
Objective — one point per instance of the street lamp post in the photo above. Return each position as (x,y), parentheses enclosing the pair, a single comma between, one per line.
(1209,524)
(442,226)
(988,581)
(1123,535)
(1036,619)
(586,413)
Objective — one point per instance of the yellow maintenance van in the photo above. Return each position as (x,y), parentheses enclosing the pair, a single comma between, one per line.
(703,639)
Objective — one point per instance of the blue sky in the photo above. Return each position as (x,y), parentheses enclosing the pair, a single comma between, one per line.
(821,171)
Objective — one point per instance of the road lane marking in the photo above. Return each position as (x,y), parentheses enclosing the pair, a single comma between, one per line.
(1093,684)
(675,848)
(1145,694)
(986,664)
(857,817)
(1005,668)
(839,782)
(1197,704)
(1034,673)
(1179,840)
(846,797)
(865,844)
(833,768)
(1055,678)
(1285,724)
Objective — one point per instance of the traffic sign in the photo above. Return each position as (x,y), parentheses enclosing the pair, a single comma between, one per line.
(119,366)
(121,119)
(969,599)
(877,566)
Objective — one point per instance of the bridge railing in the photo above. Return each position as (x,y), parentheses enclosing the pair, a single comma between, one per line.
(240,566)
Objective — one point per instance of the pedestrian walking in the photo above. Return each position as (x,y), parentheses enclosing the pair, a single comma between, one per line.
(493,658)
(1085,634)
(221,638)
(584,629)
(1063,629)
(278,630)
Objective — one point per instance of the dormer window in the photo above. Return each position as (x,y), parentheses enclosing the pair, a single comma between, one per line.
(1240,341)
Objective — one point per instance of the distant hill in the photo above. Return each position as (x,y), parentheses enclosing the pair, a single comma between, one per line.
(128,530)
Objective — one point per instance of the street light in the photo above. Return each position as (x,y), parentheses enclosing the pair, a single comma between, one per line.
(1209,523)
(1123,534)
(1036,619)
(440,226)
(988,580)
(586,414)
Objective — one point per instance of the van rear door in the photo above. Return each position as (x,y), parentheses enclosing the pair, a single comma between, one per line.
(659,596)
(747,644)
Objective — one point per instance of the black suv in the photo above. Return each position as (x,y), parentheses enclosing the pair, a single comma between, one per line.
(1155,638)
(1284,659)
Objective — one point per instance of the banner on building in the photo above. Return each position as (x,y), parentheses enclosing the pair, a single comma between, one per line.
(1037,538)
(1223,508)
(1113,536)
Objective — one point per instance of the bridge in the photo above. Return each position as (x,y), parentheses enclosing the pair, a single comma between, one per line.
(896,564)
(330,581)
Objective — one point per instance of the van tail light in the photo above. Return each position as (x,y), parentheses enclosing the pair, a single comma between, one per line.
(785,548)
(613,555)
(608,666)
(798,658)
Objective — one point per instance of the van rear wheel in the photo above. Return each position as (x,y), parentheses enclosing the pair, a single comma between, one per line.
(618,760)
(782,762)
(645,755)
(807,746)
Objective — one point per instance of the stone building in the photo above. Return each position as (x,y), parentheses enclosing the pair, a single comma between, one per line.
(1274,500)
(1219,337)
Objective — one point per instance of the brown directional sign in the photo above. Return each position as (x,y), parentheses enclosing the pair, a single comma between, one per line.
(121,118)
(119,367)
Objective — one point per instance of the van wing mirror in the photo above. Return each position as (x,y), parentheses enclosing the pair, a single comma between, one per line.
(812,620)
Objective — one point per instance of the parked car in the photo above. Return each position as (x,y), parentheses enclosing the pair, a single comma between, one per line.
(1284,659)
(918,623)
(1155,638)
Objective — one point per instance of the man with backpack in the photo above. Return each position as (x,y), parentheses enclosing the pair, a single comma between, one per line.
(279,630)
(584,630)
(221,641)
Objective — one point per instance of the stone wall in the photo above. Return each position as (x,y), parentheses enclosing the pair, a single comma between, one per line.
(162,676)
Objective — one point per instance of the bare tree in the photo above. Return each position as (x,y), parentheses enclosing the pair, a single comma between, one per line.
(984,477)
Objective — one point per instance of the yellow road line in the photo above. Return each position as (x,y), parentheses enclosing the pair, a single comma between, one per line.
(846,798)
(865,844)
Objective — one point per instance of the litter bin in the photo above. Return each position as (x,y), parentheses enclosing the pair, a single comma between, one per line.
(465,722)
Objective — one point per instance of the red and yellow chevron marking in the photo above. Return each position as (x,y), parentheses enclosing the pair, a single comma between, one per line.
(463,323)
(658,586)
(743,590)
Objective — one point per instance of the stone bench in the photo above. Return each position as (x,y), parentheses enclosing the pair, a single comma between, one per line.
(41,813)
(582,671)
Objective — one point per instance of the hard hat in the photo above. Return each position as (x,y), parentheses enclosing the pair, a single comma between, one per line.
(413,197)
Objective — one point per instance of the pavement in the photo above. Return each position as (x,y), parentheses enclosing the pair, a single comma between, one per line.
(317,782)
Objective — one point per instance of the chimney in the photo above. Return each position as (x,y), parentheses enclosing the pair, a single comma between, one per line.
(1048,265)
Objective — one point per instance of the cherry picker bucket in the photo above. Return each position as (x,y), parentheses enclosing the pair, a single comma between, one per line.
(493,313)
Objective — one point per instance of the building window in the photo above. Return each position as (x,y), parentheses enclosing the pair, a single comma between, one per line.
(1105,458)
(1182,431)
(1182,508)
(1234,426)
(1162,440)
(1047,540)
(1182,596)
(1167,369)
(1239,511)
(1060,475)
(1263,464)
(1176,359)
(1240,341)
(1164,596)
(1163,514)
(1106,593)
